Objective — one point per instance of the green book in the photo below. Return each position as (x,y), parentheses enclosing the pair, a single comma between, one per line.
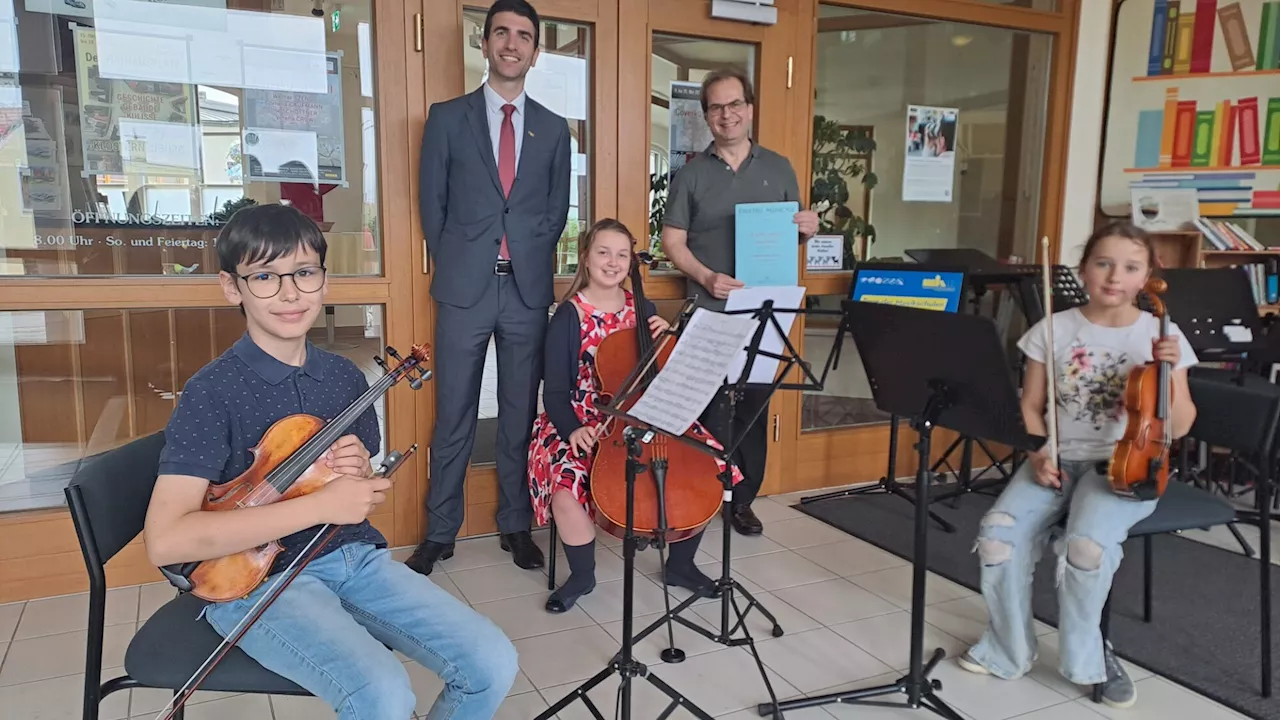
(1271,134)
(1202,141)
(1267,36)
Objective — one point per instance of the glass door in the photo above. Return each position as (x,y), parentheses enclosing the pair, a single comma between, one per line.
(574,77)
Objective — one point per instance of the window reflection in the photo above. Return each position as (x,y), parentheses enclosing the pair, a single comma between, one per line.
(845,399)
(130,131)
(77,383)
(678,128)
(560,80)
(984,192)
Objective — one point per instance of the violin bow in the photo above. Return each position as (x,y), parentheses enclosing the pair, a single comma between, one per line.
(1050,366)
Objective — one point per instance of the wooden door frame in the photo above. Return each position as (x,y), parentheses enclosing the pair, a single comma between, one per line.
(39,552)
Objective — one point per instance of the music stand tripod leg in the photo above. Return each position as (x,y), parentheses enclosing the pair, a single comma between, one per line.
(919,689)
(624,663)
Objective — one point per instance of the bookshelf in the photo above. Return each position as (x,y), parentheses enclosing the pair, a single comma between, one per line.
(1187,248)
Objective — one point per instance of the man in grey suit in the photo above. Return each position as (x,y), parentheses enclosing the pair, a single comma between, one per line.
(495,197)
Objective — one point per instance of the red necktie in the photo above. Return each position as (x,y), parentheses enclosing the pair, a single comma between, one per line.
(506,162)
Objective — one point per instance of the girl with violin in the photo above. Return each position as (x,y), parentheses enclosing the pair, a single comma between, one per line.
(1088,353)
(565,435)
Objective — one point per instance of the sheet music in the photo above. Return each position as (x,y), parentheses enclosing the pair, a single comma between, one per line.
(764,369)
(690,378)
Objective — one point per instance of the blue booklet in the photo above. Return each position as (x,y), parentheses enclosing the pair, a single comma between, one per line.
(766,244)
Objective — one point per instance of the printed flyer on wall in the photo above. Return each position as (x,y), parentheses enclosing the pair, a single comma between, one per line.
(929,174)
(136,127)
(296,136)
(689,134)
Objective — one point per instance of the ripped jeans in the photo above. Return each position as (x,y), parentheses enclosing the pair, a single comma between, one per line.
(1011,541)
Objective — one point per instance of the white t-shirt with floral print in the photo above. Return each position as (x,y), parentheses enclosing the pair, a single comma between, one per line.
(1092,365)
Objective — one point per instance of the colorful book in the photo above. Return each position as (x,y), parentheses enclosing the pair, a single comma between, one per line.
(1202,37)
(1202,144)
(1182,46)
(1250,153)
(1147,148)
(1267,36)
(1183,133)
(1170,40)
(1221,112)
(1271,136)
(1168,120)
(1273,53)
(1155,54)
(1236,35)
(1229,137)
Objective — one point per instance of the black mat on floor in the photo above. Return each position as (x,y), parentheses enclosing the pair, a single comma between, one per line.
(1205,626)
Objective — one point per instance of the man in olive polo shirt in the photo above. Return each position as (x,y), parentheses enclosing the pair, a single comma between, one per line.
(698,237)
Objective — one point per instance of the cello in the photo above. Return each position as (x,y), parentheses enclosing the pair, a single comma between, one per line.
(691,493)
(1139,465)
(287,464)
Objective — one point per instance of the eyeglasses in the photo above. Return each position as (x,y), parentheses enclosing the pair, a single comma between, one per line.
(265,285)
(736,106)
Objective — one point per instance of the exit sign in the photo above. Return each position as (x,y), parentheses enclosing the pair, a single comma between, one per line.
(337,20)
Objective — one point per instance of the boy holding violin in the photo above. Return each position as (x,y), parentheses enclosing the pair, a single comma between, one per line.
(330,630)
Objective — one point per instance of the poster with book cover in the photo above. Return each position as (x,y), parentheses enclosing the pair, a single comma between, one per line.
(133,127)
(689,134)
(1195,104)
(296,136)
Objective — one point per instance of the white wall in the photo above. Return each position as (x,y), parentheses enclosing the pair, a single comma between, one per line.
(1084,153)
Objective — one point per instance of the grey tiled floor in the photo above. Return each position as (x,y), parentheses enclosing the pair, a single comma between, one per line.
(842,602)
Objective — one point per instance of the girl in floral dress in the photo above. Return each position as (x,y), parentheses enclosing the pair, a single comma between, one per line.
(564,435)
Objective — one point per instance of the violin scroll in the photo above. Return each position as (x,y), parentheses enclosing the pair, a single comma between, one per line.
(407,366)
(1154,288)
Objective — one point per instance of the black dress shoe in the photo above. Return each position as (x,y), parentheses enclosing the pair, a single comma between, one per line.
(745,521)
(524,551)
(424,557)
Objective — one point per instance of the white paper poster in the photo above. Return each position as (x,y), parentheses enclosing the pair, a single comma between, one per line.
(136,127)
(296,136)
(825,252)
(689,134)
(929,173)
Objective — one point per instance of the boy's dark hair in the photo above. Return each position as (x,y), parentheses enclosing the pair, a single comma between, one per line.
(1124,229)
(748,93)
(519,7)
(262,233)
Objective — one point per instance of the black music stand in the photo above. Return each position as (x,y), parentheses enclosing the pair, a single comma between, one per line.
(970,393)
(641,431)
(888,483)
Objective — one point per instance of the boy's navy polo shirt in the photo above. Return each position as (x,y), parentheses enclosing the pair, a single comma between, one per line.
(228,405)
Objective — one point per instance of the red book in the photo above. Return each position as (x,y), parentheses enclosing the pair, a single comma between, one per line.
(1202,38)
(1229,137)
(1266,199)
(1250,152)
(1184,131)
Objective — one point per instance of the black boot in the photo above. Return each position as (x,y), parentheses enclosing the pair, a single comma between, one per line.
(681,569)
(582,577)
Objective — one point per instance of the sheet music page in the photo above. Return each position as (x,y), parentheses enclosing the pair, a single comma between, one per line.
(695,371)
(764,369)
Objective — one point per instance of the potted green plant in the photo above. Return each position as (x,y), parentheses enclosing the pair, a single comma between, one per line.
(841,155)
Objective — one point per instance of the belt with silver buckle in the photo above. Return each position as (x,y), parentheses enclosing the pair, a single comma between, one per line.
(502,267)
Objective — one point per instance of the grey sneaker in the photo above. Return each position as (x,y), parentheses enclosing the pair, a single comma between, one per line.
(1118,691)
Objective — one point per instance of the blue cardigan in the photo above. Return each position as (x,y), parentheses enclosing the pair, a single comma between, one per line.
(560,367)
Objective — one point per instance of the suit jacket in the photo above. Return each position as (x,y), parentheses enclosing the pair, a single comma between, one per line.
(464,213)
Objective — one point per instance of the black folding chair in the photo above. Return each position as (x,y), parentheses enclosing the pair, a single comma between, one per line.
(108,497)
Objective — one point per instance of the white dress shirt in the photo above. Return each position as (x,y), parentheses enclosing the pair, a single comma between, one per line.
(494,102)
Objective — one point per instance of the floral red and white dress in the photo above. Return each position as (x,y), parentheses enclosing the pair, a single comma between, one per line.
(552,463)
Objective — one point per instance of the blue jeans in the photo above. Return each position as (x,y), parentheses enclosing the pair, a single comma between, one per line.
(330,629)
(1011,541)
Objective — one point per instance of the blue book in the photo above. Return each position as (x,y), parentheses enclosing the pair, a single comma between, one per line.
(1155,55)
(766,244)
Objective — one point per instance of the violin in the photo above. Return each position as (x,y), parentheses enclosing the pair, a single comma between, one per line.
(285,466)
(691,493)
(1140,462)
